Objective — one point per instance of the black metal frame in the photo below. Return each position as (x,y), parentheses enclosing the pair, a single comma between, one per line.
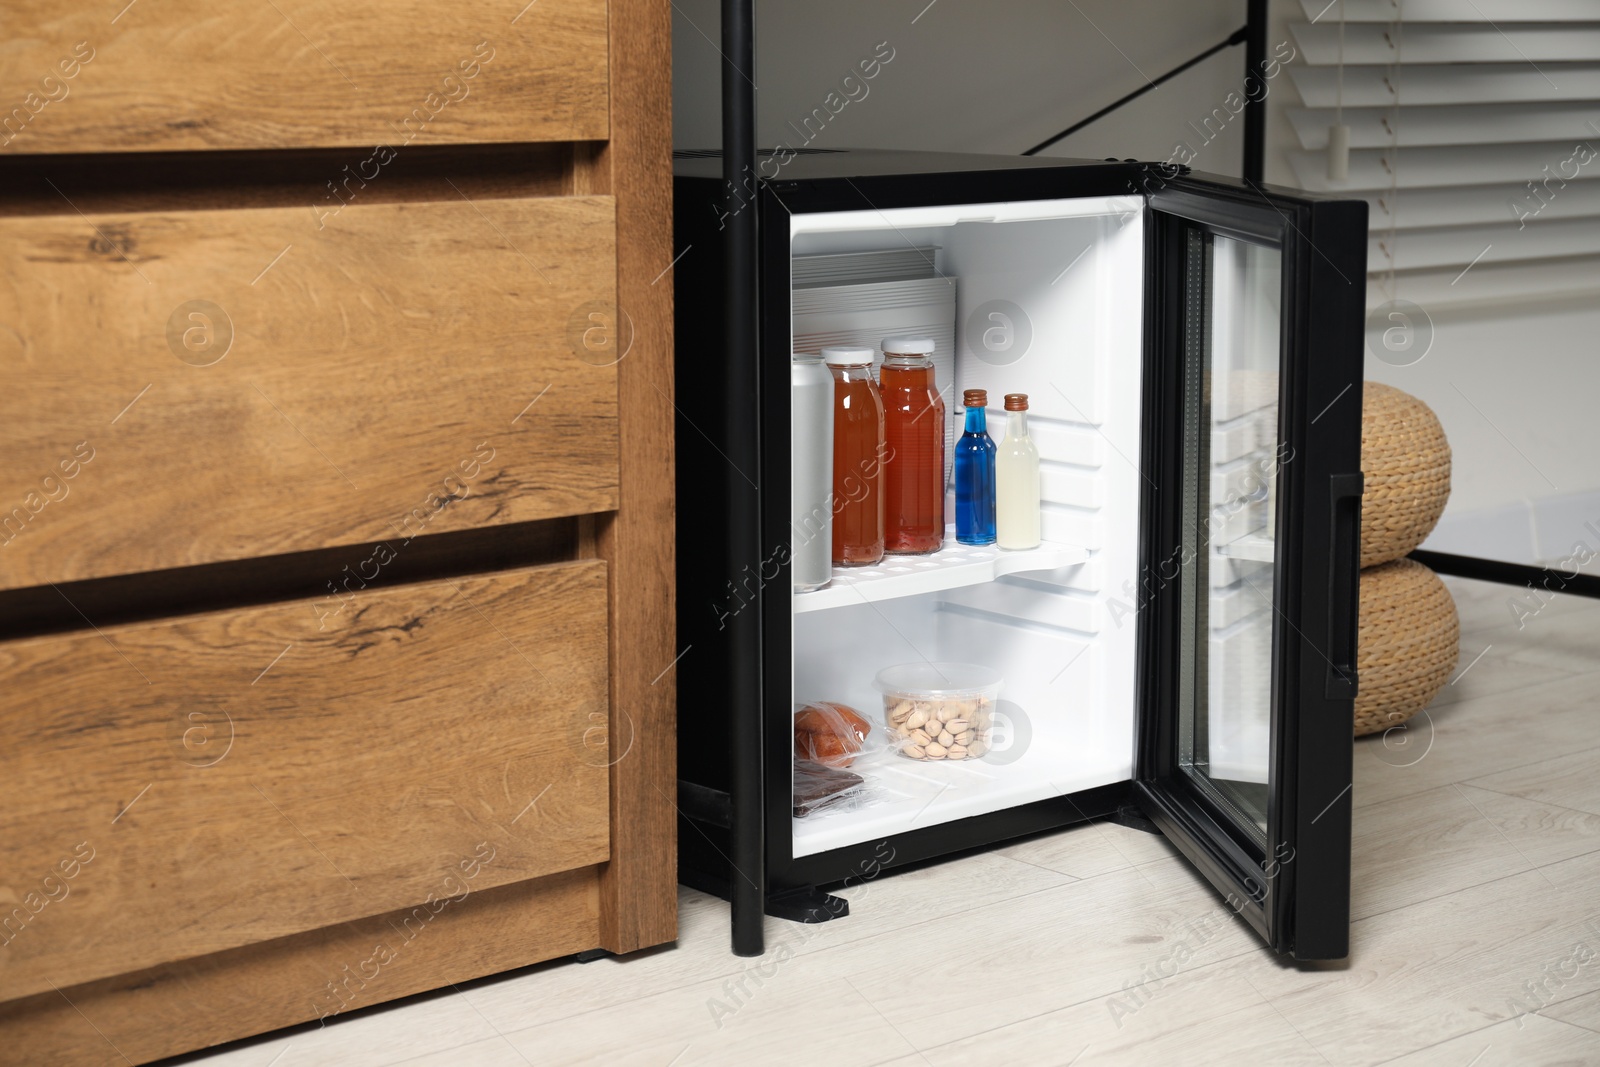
(740,314)
(1239,36)
(1253,35)
(1255,106)
(1518,574)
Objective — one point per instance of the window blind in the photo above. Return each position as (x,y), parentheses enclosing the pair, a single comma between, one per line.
(1474,132)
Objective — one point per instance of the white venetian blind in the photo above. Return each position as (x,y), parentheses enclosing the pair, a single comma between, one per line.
(1474,136)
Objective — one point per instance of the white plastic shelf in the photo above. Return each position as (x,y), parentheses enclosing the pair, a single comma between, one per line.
(1253,546)
(953,566)
(903,795)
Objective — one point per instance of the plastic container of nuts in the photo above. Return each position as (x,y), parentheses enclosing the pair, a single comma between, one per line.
(939,711)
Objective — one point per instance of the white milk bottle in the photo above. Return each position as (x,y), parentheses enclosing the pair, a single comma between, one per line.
(1016,469)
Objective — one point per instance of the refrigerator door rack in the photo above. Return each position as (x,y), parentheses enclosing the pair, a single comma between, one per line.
(952,567)
(1256,546)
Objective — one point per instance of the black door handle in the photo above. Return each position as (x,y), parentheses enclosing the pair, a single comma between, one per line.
(1344,561)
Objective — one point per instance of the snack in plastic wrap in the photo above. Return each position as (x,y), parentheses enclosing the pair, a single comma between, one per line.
(817,787)
(829,733)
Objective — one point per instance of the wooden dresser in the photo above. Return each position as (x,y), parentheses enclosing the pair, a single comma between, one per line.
(336,507)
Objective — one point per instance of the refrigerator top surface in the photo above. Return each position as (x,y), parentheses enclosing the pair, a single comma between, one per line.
(805,165)
(824,179)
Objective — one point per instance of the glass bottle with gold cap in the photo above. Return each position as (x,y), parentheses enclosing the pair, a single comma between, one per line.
(974,474)
(1017,479)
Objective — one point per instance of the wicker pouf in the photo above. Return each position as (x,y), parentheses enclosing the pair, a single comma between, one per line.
(1406,461)
(1408,643)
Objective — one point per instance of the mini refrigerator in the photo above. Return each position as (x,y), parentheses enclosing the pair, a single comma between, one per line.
(1177,654)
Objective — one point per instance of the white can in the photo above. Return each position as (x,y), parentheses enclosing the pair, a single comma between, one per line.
(810,473)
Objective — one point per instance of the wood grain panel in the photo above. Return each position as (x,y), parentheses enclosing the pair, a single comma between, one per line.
(191,1004)
(173,789)
(393,370)
(636,169)
(220,74)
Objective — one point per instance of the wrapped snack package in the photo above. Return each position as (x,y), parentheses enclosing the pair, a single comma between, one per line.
(817,787)
(828,733)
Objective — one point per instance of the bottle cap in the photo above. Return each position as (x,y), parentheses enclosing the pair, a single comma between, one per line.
(975,398)
(1016,401)
(908,346)
(847,356)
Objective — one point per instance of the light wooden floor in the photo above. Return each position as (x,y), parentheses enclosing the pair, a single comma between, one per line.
(1476,936)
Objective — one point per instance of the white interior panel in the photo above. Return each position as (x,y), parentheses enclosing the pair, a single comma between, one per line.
(1072,271)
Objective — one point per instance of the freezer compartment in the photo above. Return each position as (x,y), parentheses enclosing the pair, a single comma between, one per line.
(1043,298)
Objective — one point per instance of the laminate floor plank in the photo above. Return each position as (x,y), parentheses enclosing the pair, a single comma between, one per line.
(1570,781)
(1026,957)
(1092,849)
(1449,966)
(1161,1020)
(555,991)
(1473,738)
(1523,1042)
(495,1052)
(795,1011)
(1424,846)
(1581,1011)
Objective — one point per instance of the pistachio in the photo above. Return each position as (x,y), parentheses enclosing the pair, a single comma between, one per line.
(948,728)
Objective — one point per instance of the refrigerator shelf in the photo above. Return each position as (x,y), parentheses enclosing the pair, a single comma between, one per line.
(907,795)
(1254,546)
(953,566)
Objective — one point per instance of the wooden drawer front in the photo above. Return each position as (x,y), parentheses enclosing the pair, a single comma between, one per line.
(406,369)
(431,741)
(170,75)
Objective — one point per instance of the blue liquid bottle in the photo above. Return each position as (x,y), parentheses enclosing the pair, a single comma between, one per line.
(974,474)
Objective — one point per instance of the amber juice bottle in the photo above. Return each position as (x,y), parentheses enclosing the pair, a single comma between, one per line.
(914,429)
(858,452)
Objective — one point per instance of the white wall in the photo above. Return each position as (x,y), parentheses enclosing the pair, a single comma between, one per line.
(1515,390)
(973,77)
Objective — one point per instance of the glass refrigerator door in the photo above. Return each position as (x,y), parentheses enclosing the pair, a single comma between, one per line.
(1253,411)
